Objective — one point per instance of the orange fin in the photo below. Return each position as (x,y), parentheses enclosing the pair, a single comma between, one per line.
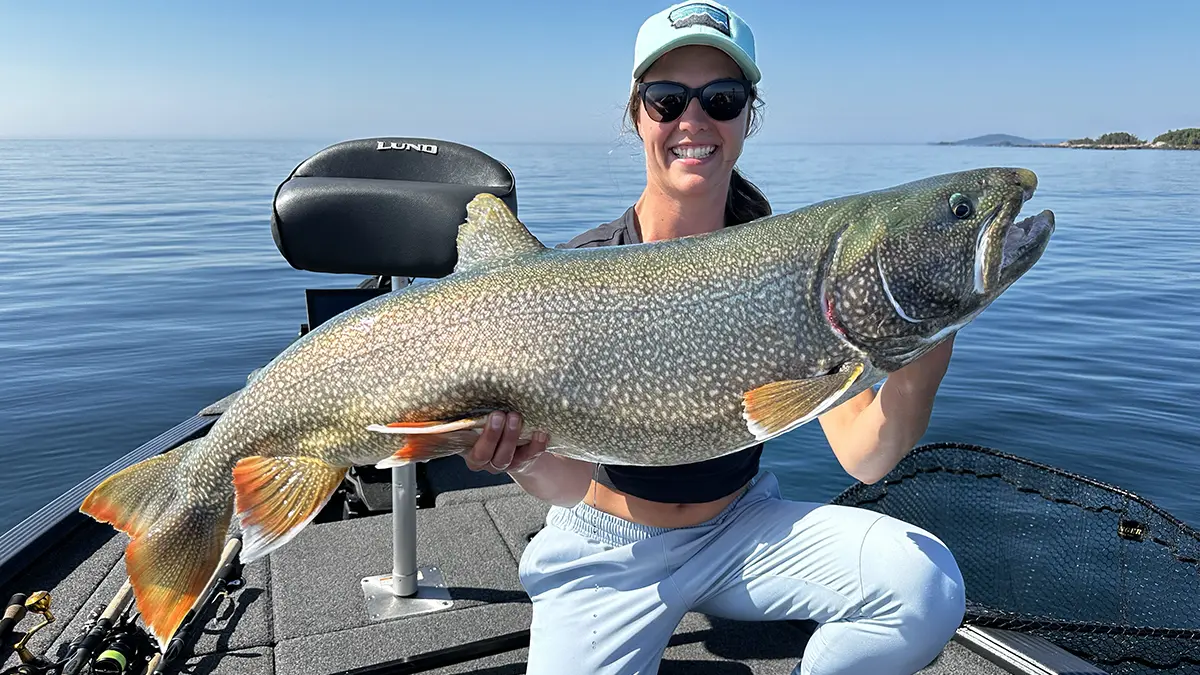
(779,407)
(134,497)
(175,535)
(429,427)
(171,562)
(422,448)
(277,496)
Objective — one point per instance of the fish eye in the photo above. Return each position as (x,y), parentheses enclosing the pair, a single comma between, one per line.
(960,206)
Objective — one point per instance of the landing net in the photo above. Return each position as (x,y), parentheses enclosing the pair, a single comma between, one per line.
(1095,569)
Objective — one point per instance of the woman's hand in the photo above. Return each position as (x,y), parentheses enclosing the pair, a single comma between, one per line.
(501,448)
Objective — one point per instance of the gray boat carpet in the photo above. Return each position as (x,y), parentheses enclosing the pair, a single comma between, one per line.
(253,661)
(71,573)
(388,640)
(302,610)
(316,579)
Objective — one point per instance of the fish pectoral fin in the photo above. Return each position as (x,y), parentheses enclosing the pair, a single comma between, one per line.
(779,407)
(275,497)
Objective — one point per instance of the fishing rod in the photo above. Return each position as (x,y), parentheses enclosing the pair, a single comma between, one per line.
(83,647)
(37,603)
(111,642)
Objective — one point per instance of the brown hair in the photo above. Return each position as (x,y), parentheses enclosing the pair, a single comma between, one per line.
(745,201)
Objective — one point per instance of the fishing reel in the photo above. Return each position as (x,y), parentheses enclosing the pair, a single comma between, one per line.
(103,647)
(127,650)
(18,607)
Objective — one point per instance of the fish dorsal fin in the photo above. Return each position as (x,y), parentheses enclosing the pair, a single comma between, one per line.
(491,233)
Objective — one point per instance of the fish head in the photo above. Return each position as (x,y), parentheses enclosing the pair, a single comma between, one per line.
(916,262)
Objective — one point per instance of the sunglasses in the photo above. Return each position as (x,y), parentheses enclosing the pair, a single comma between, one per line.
(723,100)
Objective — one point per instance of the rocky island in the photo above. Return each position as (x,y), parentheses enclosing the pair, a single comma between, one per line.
(1177,139)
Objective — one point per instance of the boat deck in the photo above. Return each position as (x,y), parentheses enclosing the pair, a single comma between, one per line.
(302,610)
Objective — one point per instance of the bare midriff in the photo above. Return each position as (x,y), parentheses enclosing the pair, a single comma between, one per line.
(654,514)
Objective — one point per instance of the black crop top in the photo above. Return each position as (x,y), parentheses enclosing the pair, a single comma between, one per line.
(682,484)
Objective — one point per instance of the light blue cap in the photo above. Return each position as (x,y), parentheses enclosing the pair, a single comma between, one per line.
(700,22)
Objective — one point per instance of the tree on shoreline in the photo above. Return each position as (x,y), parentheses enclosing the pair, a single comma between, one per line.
(1119,138)
(1178,137)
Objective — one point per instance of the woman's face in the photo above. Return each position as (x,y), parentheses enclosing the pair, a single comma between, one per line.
(678,175)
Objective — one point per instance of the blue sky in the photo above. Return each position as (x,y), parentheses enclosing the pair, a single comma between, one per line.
(475,71)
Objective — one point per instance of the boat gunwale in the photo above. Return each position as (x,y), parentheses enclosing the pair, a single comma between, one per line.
(46,527)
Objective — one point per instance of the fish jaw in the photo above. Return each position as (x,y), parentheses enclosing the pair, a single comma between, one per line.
(1007,248)
(1024,243)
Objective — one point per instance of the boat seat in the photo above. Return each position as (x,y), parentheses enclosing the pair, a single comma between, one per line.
(388,206)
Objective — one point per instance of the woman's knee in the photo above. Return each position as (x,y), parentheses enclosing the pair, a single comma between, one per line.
(915,576)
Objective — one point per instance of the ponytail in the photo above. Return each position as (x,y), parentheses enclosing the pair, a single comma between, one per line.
(745,201)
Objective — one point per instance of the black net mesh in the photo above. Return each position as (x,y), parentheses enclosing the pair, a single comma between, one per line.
(1093,568)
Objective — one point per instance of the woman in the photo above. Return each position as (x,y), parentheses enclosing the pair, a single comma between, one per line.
(628,550)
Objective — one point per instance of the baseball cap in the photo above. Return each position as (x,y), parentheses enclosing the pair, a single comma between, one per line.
(697,22)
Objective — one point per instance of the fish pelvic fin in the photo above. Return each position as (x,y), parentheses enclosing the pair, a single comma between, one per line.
(778,407)
(174,544)
(492,232)
(425,448)
(276,497)
(429,440)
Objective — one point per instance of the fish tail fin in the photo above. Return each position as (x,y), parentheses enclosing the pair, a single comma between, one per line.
(133,498)
(174,545)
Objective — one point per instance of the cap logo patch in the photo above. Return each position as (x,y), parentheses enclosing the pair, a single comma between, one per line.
(699,14)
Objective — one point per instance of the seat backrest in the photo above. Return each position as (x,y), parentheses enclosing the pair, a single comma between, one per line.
(388,206)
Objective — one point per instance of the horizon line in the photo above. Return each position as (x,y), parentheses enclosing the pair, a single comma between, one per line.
(311,139)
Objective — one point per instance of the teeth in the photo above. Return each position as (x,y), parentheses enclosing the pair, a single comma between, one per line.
(693,151)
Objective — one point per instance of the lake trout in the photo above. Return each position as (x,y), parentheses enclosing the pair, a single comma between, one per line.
(658,353)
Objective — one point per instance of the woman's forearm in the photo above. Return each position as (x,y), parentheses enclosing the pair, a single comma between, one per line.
(561,481)
(873,431)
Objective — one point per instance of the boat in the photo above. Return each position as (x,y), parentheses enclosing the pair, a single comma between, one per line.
(414,569)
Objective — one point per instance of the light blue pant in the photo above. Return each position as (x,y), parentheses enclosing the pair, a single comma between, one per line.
(608,594)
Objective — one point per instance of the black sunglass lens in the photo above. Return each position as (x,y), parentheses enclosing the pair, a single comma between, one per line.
(665,102)
(724,100)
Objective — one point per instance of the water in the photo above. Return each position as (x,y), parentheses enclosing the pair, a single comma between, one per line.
(139,282)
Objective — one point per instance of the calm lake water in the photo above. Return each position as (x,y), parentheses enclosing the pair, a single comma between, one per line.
(139,282)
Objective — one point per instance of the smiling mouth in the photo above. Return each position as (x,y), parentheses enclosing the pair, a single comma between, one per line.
(693,151)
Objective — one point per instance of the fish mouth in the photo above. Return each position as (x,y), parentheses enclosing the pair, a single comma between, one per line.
(1020,244)
(1024,242)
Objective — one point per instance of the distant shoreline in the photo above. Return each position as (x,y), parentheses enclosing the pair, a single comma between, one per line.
(1175,139)
(1076,146)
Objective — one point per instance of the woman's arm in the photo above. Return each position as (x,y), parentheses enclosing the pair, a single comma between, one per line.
(872,432)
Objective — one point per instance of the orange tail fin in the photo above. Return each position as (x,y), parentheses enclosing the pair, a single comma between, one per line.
(174,544)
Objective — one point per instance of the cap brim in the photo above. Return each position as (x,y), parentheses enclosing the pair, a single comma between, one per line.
(739,56)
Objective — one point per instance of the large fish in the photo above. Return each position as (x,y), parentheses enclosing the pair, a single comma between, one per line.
(651,354)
